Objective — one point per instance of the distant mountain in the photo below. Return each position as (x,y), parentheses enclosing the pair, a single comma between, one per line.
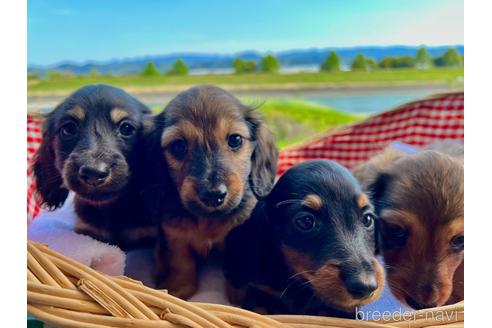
(211,62)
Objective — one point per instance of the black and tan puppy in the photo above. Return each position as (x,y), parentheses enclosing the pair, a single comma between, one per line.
(210,157)
(91,146)
(419,199)
(308,247)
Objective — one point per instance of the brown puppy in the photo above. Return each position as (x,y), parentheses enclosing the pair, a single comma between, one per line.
(419,200)
(215,158)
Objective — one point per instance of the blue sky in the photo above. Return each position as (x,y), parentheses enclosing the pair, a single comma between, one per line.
(81,30)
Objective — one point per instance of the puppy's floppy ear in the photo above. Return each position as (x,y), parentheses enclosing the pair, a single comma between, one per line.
(48,179)
(148,124)
(265,156)
(155,182)
(367,173)
(377,190)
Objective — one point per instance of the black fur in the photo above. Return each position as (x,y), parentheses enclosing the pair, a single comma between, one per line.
(255,262)
(112,205)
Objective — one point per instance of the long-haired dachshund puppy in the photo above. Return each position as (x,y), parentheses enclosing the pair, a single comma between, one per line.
(91,146)
(308,247)
(419,200)
(214,157)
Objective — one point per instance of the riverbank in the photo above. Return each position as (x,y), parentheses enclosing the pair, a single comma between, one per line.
(257,81)
(360,92)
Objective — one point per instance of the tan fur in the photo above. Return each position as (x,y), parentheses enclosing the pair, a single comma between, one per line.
(140,233)
(401,218)
(187,238)
(204,117)
(313,201)
(77,113)
(326,281)
(426,192)
(362,201)
(368,172)
(118,114)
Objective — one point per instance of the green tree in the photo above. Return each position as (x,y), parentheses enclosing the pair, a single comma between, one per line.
(270,64)
(359,63)
(397,62)
(150,70)
(94,72)
(371,63)
(238,66)
(32,76)
(179,68)
(54,75)
(250,66)
(451,58)
(387,62)
(423,59)
(241,66)
(332,63)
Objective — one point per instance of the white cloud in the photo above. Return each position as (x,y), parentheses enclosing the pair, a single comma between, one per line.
(440,26)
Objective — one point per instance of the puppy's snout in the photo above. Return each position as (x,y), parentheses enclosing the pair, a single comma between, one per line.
(94,175)
(417,305)
(213,197)
(361,285)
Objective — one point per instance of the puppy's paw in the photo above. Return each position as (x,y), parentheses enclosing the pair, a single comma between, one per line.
(235,295)
(179,287)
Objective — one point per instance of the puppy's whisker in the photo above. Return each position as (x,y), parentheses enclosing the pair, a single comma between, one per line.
(288,201)
(300,273)
(291,284)
(397,287)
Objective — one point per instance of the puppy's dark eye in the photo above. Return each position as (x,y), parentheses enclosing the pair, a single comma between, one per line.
(69,129)
(458,243)
(396,233)
(126,129)
(368,219)
(305,222)
(178,148)
(235,141)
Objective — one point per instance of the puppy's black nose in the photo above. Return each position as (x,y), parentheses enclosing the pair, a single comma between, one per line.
(361,285)
(214,197)
(94,175)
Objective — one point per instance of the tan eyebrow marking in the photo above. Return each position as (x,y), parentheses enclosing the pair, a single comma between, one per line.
(456,226)
(117,114)
(313,201)
(77,112)
(362,201)
(399,217)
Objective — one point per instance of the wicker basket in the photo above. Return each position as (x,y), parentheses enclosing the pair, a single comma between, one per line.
(65,293)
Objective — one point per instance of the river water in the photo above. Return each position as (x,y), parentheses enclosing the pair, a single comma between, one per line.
(367,100)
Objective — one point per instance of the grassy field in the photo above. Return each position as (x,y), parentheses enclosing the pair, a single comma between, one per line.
(295,121)
(257,80)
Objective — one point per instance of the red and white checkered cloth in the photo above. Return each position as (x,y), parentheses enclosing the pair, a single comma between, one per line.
(417,123)
(34,127)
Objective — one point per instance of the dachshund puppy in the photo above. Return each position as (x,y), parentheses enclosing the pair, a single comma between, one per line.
(91,146)
(308,247)
(214,157)
(419,200)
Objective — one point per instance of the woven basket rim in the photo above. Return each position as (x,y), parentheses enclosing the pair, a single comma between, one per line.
(65,293)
